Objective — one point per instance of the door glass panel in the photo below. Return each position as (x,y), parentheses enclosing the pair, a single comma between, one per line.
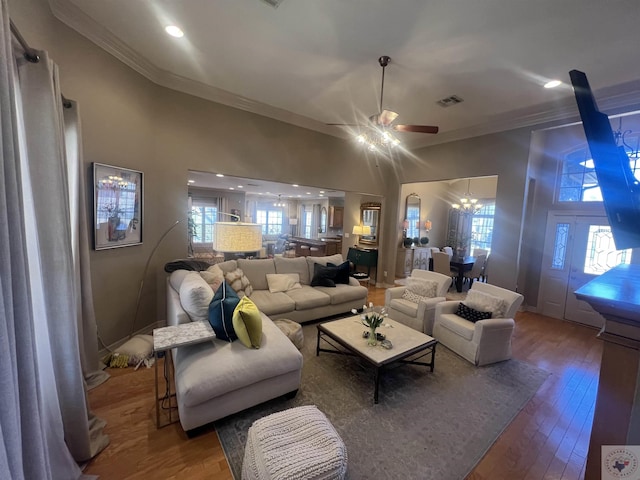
(560,246)
(601,254)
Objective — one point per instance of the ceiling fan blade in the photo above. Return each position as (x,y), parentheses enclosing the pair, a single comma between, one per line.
(415,128)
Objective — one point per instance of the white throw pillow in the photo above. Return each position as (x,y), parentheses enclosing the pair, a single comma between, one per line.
(283,282)
(213,276)
(422,287)
(486,303)
(412,297)
(195,296)
(239,282)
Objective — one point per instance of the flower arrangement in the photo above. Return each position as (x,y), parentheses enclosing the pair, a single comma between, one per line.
(372,317)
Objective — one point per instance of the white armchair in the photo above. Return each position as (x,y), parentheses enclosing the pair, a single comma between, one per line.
(485,341)
(417,315)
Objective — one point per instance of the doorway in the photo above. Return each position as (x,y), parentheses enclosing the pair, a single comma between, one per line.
(577,249)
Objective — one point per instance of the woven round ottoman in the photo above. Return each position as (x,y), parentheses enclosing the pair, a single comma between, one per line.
(291,329)
(296,444)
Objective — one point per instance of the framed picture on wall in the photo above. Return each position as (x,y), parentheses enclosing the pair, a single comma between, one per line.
(117,206)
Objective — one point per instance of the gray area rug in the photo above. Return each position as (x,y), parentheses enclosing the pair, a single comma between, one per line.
(426,425)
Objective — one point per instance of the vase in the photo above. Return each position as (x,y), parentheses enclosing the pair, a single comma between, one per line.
(372,341)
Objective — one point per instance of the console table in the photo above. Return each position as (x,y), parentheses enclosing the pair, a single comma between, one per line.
(366,257)
(616,296)
(167,338)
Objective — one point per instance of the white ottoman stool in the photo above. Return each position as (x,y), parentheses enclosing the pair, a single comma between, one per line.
(293,331)
(295,444)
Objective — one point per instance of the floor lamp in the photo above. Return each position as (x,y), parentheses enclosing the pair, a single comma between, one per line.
(237,237)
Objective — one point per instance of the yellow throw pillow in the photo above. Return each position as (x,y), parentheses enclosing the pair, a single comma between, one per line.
(247,323)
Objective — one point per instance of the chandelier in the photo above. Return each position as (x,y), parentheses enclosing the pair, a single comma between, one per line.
(280,203)
(468,204)
(620,137)
(377,138)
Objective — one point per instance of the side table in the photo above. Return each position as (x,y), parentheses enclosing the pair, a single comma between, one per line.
(167,338)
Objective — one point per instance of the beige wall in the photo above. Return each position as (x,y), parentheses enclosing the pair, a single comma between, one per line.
(131,122)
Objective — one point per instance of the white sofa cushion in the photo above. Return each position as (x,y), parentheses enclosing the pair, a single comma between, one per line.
(343,293)
(257,271)
(195,296)
(309,297)
(294,265)
(211,369)
(273,303)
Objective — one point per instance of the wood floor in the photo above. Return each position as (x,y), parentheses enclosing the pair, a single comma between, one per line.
(548,439)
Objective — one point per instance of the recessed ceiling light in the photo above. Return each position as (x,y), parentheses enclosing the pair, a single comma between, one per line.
(219,175)
(174,31)
(321,195)
(294,185)
(552,84)
(308,193)
(240,186)
(192,181)
(231,188)
(321,191)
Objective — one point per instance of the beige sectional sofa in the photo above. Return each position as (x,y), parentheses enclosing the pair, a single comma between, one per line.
(302,304)
(217,378)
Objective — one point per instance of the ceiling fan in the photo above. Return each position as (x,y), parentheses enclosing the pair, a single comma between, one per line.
(381,123)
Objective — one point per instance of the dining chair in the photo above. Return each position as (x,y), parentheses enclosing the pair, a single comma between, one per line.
(442,264)
(480,251)
(476,270)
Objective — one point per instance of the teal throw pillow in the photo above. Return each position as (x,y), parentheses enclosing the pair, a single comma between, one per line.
(221,310)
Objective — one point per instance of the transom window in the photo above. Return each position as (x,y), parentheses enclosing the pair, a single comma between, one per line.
(578,181)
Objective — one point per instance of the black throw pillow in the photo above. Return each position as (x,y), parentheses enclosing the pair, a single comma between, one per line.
(342,276)
(221,312)
(323,276)
(470,314)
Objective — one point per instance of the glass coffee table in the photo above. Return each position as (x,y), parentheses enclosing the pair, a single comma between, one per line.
(344,336)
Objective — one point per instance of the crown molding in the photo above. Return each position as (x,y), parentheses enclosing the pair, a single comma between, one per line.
(610,99)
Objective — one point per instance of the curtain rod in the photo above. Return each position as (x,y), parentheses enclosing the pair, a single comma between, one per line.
(31,55)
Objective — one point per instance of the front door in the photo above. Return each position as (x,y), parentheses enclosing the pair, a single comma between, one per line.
(577,249)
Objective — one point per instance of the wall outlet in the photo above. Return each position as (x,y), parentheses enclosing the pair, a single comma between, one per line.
(346,234)
(385,274)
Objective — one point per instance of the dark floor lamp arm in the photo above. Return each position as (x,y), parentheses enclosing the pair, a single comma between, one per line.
(144,274)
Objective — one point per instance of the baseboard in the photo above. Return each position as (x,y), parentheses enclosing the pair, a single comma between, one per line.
(148,330)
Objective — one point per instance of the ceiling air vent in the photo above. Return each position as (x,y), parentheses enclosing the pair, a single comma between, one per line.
(448,101)
(273,3)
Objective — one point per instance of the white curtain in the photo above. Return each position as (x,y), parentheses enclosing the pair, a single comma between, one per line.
(47,334)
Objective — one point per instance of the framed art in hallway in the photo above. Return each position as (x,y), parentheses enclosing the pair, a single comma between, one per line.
(117,206)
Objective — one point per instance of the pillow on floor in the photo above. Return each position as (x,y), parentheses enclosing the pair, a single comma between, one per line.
(221,311)
(247,323)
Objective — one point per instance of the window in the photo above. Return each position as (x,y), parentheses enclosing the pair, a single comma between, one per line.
(203,216)
(271,221)
(482,226)
(578,181)
(601,254)
(307,224)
